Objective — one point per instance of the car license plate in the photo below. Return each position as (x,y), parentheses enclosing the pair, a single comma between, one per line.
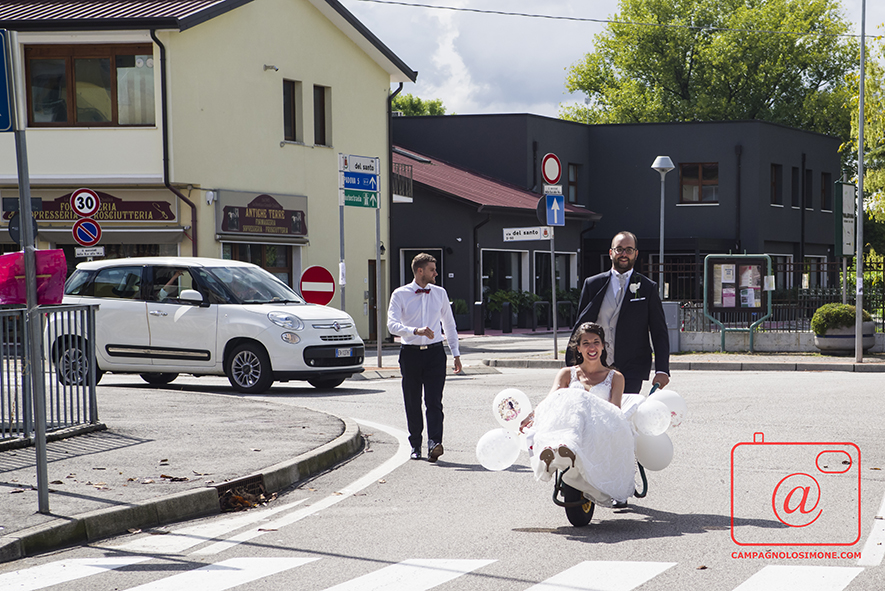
(344,352)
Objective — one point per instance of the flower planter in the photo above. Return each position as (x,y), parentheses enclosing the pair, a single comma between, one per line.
(842,339)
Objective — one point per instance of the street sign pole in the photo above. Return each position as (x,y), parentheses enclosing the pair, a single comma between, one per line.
(553,310)
(33,358)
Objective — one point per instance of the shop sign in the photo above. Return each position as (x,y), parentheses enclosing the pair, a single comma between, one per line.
(112,209)
(263,215)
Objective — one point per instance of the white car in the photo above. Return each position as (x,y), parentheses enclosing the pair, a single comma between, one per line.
(161,316)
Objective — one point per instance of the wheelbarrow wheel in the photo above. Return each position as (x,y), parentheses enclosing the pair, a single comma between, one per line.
(579,515)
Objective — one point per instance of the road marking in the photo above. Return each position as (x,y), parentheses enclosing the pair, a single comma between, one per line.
(63,571)
(179,540)
(807,578)
(399,458)
(603,576)
(412,575)
(225,574)
(874,548)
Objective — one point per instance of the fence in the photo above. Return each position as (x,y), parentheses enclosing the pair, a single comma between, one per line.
(800,289)
(67,363)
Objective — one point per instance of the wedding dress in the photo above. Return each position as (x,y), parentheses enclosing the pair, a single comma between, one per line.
(596,432)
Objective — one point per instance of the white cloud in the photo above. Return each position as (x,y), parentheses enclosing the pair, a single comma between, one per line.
(482,63)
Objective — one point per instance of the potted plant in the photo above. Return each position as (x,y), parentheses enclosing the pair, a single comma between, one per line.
(834,324)
(525,308)
(461,313)
(496,302)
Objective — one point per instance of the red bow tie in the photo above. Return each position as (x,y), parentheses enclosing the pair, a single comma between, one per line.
(426,290)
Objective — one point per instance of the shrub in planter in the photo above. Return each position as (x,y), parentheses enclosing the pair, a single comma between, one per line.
(835,316)
(461,313)
(834,328)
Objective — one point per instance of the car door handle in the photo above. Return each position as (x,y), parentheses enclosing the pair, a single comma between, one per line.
(157,313)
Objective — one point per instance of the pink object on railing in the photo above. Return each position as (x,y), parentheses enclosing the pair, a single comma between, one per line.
(51,272)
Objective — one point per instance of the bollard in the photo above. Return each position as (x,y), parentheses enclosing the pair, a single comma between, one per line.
(479,321)
(506,318)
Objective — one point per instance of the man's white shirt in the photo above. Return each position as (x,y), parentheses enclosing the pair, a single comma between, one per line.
(410,310)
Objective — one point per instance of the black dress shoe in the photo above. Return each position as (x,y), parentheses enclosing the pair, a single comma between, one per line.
(619,504)
(416,453)
(434,452)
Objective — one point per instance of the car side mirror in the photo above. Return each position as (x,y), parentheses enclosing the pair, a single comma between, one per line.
(191,295)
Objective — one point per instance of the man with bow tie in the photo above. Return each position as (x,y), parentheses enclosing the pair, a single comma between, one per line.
(419,313)
(626,304)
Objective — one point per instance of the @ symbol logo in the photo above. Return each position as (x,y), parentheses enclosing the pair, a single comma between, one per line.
(795,500)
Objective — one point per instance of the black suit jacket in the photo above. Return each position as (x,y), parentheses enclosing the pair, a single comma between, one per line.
(641,314)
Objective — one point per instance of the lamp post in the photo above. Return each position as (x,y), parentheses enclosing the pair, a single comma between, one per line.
(663,165)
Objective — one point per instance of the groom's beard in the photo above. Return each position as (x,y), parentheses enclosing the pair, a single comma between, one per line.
(622,266)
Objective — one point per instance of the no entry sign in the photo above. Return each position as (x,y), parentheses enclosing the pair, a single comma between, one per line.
(317,285)
(551,169)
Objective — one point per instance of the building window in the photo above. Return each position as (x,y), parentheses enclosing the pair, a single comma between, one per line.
(292,111)
(90,85)
(273,258)
(826,191)
(572,183)
(501,270)
(794,187)
(809,177)
(322,133)
(700,183)
(777,184)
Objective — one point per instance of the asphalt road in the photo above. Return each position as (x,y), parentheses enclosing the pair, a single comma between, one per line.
(382,521)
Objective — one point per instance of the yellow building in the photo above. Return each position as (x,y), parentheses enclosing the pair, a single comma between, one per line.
(206,128)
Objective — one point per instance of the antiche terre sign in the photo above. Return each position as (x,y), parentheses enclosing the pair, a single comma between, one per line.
(263,215)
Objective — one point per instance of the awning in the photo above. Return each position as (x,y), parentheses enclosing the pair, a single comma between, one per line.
(116,235)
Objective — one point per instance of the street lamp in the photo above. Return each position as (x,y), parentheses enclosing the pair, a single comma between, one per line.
(663,165)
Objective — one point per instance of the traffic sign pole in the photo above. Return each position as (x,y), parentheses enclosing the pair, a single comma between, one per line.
(33,355)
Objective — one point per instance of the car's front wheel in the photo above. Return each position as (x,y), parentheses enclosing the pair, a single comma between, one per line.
(158,379)
(72,362)
(248,369)
(326,383)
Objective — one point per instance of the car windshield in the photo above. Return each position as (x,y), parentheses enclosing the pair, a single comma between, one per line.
(253,285)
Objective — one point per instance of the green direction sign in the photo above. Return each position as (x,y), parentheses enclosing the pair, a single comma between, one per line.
(356,198)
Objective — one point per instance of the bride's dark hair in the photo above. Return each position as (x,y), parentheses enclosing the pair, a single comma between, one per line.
(592,328)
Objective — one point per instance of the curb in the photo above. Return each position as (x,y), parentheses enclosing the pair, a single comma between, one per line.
(102,523)
(389,373)
(708,365)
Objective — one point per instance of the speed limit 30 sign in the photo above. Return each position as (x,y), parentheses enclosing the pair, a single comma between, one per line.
(85,202)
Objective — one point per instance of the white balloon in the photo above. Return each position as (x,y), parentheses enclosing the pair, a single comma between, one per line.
(510,407)
(498,449)
(654,452)
(674,402)
(652,417)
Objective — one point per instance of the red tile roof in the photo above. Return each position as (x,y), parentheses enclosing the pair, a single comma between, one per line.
(465,185)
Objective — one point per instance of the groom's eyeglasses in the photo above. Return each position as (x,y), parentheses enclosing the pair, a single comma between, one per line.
(628,251)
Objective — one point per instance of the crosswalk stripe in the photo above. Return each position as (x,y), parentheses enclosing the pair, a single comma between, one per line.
(400,457)
(412,575)
(807,578)
(63,571)
(225,574)
(874,548)
(179,540)
(612,575)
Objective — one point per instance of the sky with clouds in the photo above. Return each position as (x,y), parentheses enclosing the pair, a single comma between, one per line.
(487,63)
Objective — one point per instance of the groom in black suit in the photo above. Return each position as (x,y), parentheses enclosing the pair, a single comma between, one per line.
(627,306)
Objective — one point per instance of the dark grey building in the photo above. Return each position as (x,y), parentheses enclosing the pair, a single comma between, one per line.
(476,227)
(738,186)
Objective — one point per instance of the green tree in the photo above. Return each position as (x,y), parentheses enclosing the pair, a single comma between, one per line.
(412,105)
(718,60)
(874,142)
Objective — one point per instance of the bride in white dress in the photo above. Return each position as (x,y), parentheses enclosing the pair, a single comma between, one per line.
(580,425)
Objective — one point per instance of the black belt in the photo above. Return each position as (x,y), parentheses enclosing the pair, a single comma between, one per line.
(423,347)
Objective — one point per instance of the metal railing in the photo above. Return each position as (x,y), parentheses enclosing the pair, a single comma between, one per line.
(792,305)
(67,363)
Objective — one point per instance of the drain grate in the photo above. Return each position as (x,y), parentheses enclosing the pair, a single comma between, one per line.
(242,493)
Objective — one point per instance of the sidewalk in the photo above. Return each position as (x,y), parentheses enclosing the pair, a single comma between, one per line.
(159,460)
